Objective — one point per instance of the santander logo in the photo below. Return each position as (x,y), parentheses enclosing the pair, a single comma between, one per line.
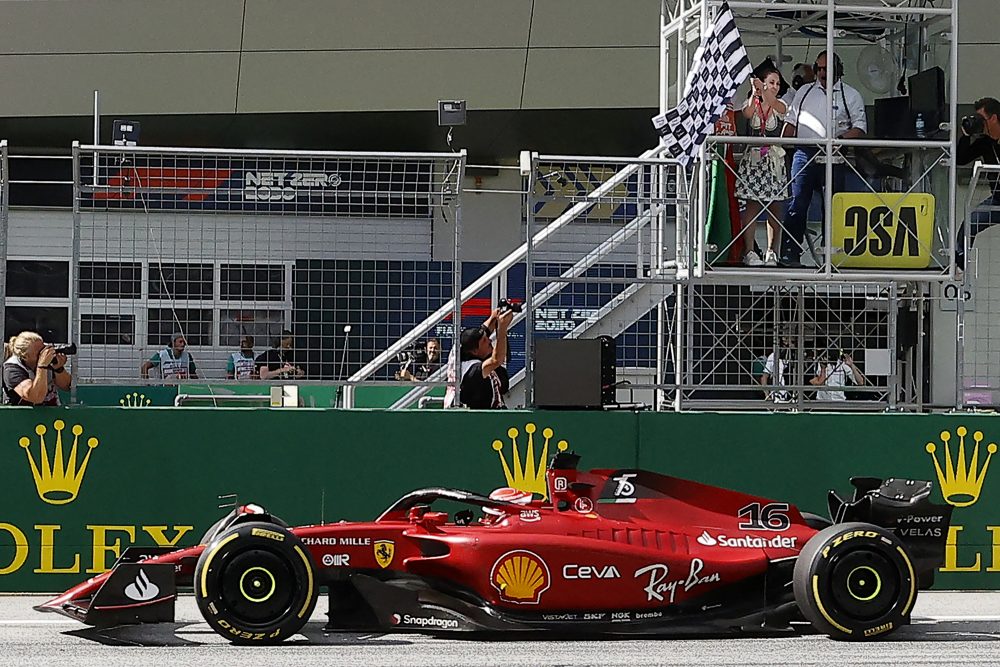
(141,589)
(706,540)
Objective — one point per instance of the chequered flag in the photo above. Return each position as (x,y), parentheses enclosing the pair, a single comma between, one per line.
(721,65)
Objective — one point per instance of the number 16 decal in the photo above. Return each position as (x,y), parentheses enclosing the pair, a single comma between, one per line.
(773,516)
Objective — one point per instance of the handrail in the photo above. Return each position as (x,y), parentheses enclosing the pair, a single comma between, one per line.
(500,267)
(182,399)
(253,152)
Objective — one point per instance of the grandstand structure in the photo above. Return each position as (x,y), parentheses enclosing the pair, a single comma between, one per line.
(364,255)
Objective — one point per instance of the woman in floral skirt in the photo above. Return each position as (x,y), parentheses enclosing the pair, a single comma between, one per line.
(763,180)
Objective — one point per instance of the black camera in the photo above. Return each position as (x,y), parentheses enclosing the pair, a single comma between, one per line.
(513,306)
(974,124)
(64,348)
(415,354)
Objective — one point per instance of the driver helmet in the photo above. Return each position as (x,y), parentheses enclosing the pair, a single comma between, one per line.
(507,494)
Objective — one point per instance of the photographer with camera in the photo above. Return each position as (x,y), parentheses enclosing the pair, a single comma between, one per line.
(278,363)
(835,369)
(980,136)
(417,365)
(26,354)
(484,380)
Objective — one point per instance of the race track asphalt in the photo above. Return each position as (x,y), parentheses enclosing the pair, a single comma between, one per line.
(948,629)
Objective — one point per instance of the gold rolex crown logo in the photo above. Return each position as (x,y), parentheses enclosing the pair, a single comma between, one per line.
(135,400)
(961,482)
(527,474)
(58,480)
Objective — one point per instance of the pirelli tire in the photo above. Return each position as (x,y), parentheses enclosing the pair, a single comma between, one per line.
(855,582)
(256,584)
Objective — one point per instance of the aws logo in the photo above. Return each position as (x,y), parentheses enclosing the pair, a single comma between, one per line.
(527,474)
(57,476)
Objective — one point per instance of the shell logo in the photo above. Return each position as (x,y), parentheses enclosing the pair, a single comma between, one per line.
(521,577)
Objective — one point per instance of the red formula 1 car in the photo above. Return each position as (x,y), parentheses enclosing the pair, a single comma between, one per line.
(612,552)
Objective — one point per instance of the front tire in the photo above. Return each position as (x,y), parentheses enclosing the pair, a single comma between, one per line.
(855,581)
(256,584)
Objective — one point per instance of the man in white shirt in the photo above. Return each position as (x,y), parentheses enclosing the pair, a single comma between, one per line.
(836,374)
(774,374)
(807,119)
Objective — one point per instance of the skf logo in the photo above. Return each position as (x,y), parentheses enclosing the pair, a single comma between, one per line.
(521,577)
(528,475)
(58,480)
(384,551)
(961,482)
(135,400)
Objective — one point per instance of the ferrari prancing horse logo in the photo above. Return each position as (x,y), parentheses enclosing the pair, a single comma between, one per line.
(384,551)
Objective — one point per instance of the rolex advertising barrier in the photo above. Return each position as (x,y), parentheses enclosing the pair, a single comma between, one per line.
(80,485)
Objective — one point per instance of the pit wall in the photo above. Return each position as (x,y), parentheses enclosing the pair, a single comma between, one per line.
(153,475)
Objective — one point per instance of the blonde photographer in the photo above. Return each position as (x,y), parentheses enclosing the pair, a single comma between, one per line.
(26,354)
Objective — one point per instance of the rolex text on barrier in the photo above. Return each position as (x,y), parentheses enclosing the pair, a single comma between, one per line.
(83,485)
(883,230)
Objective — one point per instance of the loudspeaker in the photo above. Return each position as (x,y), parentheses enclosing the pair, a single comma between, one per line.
(574,373)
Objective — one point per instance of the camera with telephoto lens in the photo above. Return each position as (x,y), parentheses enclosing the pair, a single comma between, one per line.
(507,305)
(64,348)
(414,354)
(974,124)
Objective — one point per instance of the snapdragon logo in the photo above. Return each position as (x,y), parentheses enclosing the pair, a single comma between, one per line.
(747,541)
(425,621)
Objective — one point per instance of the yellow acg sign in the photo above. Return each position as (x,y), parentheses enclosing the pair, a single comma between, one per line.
(881,230)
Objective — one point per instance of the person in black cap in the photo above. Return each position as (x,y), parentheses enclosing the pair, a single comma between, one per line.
(484,380)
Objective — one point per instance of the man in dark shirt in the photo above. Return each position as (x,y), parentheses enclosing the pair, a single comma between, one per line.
(484,379)
(277,363)
(986,148)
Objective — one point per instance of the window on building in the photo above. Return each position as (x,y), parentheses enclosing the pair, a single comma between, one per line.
(263,325)
(194,323)
(110,280)
(37,278)
(242,282)
(107,329)
(50,322)
(181,281)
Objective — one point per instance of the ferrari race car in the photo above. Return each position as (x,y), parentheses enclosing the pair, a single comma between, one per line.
(608,552)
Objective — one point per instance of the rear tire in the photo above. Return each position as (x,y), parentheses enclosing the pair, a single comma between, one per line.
(855,581)
(256,584)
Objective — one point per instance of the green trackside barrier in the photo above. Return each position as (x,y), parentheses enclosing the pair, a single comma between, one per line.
(127,396)
(312,396)
(152,476)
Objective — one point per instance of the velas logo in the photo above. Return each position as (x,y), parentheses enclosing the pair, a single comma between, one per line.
(521,577)
(527,474)
(58,478)
(135,400)
(961,480)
